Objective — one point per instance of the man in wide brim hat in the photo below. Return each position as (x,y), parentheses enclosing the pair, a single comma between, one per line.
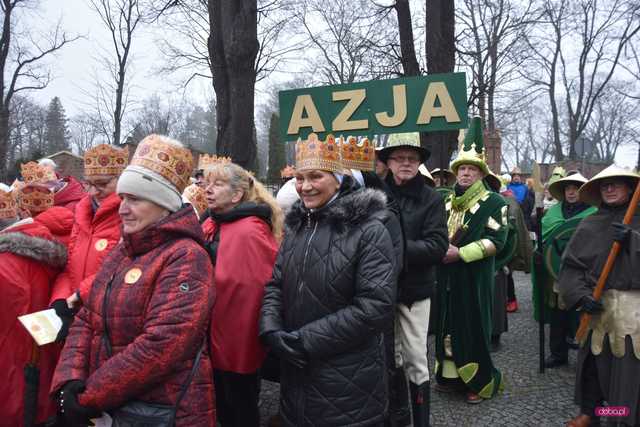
(590,192)
(608,362)
(557,187)
(428,178)
(558,226)
(403,140)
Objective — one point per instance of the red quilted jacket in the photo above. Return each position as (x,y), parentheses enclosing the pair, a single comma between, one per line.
(93,236)
(156,291)
(59,221)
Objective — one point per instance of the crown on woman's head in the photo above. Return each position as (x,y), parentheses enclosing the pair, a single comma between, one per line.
(158,154)
(207,160)
(32,173)
(8,205)
(354,156)
(105,159)
(317,154)
(36,198)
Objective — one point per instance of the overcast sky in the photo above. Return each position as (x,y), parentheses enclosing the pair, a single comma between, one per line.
(74,67)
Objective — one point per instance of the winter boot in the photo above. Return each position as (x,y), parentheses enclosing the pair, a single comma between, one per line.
(420,403)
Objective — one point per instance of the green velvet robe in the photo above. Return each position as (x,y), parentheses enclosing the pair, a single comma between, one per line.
(465,292)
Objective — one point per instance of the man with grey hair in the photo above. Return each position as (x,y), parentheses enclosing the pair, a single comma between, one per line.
(67,190)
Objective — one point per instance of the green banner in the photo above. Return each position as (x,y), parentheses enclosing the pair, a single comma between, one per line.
(410,104)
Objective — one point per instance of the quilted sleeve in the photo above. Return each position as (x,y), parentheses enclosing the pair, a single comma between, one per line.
(74,359)
(176,323)
(63,286)
(373,301)
(271,311)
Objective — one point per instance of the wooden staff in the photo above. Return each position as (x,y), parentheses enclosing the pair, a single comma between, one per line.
(608,266)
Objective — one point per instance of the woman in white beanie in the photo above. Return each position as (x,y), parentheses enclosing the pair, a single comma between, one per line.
(137,345)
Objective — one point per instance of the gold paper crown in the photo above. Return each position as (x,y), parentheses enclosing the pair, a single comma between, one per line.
(172,162)
(196,196)
(17,185)
(105,159)
(288,172)
(354,156)
(207,160)
(316,154)
(36,199)
(8,205)
(33,173)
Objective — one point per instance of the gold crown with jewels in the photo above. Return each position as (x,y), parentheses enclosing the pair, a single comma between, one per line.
(33,173)
(197,197)
(105,159)
(8,205)
(36,199)
(357,156)
(317,154)
(210,160)
(173,162)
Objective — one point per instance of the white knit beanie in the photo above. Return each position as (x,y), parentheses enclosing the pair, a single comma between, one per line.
(146,184)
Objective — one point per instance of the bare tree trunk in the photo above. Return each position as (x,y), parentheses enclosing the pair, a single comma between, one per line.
(4,142)
(440,44)
(233,46)
(409,60)
(117,112)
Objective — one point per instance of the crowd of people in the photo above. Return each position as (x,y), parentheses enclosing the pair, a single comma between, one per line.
(178,292)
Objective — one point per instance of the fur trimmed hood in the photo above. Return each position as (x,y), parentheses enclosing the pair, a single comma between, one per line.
(352,207)
(52,253)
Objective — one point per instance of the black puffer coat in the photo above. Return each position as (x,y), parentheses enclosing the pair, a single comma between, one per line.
(425,230)
(333,283)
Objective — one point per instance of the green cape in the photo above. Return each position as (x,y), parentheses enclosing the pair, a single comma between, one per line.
(550,221)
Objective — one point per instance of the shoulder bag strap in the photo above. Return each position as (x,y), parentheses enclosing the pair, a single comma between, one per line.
(107,342)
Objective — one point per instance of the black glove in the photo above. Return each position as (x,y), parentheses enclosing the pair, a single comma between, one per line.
(287,346)
(590,305)
(66,315)
(73,413)
(621,233)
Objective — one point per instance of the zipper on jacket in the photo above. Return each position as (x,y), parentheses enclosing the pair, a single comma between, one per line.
(306,252)
(106,337)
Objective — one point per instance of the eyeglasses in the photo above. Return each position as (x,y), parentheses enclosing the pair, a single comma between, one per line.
(99,185)
(402,159)
(613,184)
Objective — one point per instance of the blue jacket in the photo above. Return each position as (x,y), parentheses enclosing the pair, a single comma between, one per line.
(519,190)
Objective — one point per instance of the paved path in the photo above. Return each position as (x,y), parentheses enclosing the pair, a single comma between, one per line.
(529,399)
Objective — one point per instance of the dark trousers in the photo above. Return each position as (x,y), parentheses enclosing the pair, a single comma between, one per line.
(237,398)
(511,287)
(562,326)
(558,332)
(591,392)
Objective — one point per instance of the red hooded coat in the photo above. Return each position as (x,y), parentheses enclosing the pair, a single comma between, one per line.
(245,257)
(155,290)
(92,238)
(29,261)
(70,195)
